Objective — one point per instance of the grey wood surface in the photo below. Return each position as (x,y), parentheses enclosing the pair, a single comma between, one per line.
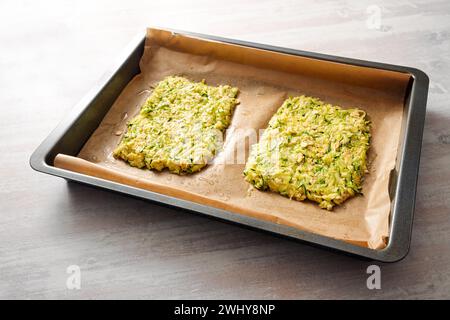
(52,52)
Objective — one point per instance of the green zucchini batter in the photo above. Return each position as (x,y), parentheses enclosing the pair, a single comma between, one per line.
(311,150)
(179,127)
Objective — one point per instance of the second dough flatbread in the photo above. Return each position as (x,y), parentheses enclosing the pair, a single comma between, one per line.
(311,150)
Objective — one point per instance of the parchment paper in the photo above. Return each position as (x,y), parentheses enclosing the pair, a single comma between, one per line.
(264,79)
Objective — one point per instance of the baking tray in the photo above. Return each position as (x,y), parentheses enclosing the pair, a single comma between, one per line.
(71,134)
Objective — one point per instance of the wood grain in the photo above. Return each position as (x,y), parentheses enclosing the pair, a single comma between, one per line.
(52,52)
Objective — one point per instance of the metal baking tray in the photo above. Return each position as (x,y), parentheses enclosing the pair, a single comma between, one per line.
(71,134)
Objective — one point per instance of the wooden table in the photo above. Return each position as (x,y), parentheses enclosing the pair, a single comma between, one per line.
(53,52)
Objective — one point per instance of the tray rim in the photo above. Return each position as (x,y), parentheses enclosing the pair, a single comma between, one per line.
(403,204)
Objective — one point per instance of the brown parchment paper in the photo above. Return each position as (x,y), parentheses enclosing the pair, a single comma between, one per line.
(264,79)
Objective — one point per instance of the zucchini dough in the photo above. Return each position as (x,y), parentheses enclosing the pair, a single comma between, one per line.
(180,127)
(311,150)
